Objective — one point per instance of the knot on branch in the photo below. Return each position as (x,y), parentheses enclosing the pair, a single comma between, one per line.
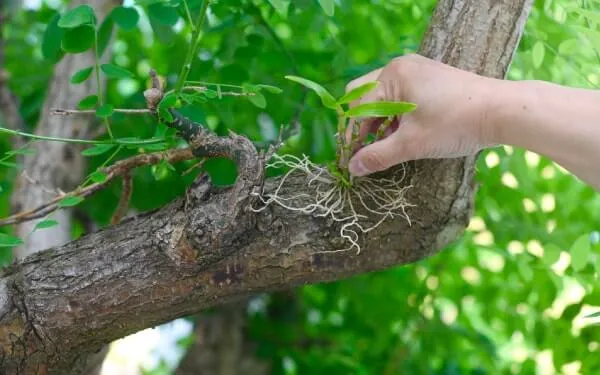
(213,228)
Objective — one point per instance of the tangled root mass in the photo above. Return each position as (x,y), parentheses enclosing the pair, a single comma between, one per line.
(360,208)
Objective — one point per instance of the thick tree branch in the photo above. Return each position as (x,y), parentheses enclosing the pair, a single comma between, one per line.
(209,247)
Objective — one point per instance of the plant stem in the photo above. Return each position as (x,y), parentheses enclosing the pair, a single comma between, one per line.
(196,36)
(108,160)
(341,139)
(188,14)
(202,83)
(383,127)
(81,141)
(98,83)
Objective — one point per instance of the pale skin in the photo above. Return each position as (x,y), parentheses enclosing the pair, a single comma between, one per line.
(460,113)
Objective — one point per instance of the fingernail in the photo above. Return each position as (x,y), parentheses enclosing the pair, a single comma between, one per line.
(357,168)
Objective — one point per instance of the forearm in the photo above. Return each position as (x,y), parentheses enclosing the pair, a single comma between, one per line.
(558,122)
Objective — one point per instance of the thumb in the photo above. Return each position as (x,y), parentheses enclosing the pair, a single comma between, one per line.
(383,154)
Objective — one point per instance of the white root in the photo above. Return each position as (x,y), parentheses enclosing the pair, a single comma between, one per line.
(379,198)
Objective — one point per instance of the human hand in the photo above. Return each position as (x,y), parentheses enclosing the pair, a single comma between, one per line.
(450,119)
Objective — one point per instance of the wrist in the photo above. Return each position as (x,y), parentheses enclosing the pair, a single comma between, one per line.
(506,106)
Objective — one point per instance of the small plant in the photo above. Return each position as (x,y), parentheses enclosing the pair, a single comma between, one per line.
(359,204)
(347,116)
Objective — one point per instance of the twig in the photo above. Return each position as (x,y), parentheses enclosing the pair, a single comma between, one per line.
(196,165)
(120,168)
(67,112)
(139,111)
(191,53)
(124,200)
(33,181)
(222,93)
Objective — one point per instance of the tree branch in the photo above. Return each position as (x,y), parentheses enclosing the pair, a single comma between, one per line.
(209,247)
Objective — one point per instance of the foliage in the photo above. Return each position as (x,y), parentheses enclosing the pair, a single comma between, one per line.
(515,287)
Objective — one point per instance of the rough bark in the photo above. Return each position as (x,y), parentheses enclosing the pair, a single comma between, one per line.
(221,346)
(209,248)
(57,165)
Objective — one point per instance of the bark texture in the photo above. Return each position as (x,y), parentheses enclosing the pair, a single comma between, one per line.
(208,248)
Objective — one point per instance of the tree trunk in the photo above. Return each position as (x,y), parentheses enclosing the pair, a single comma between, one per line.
(208,248)
(221,346)
(9,108)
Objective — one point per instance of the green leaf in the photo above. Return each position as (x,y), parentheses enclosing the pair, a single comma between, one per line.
(271,89)
(569,47)
(8,164)
(70,202)
(211,94)
(82,75)
(88,102)
(525,270)
(580,252)
(9,241)
(81,15)
(22,151)
(98,176)
(593,315)
(165,114)
(163,14)
(537,54)
(97,150)
(593,36)
(281,6)
(327,99)
(105,110)
(79,39)
(168,101)
(380,109)
(153,147)
(357,92)
(195,98)
(590,15)
(115,71)
(104,34)
(125,17)
(52,40)
(47,223)
(551,254)
(328,6)
(258,99)
(163,32)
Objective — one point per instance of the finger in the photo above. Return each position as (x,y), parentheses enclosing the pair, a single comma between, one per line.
(384,153)
(371,76)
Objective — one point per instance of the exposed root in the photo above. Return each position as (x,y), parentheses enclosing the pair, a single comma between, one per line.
(360,208)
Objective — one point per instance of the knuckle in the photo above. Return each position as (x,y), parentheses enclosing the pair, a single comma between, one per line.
(374,161)
(405,64)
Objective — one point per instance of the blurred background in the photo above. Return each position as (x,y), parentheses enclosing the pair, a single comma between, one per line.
(510,296)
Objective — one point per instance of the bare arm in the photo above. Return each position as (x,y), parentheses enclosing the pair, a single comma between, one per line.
(460,113)
(559,122)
